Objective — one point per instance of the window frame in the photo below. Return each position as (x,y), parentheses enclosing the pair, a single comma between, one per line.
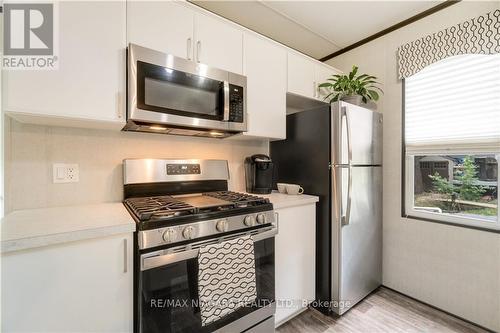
(407,185)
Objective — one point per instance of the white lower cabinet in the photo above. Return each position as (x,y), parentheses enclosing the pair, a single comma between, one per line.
(83,286)
(295,261)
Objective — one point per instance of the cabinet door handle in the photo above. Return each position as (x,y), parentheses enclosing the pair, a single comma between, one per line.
(125,256)
(315,90)
(189,48)
(198,51)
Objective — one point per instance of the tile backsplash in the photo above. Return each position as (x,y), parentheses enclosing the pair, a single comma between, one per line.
(31,150)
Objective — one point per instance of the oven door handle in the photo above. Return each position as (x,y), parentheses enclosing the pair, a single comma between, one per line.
(171,258)
(167,259)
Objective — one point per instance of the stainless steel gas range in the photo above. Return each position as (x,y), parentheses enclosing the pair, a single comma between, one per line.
(182,207)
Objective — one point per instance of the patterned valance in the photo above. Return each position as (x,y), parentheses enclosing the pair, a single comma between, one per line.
(478,35)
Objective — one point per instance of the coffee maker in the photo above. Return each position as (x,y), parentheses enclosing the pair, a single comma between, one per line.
(259,174)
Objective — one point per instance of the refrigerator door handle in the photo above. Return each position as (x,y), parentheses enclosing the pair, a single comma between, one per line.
(347,216)
(348,132)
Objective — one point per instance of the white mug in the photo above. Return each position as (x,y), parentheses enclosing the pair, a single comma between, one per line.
(294,189)
(281,187)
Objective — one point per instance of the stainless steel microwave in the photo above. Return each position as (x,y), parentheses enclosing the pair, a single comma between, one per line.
(171,95)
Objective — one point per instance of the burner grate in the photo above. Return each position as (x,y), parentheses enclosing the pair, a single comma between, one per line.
(161,207)
(240,200)
(155,208)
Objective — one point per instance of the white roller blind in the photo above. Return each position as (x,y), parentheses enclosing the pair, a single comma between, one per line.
(455,101)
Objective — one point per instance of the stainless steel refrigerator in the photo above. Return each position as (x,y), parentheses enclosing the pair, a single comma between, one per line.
(335,152)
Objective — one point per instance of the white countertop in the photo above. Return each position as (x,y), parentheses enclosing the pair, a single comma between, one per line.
(25,229)
(286,200)
(31,228)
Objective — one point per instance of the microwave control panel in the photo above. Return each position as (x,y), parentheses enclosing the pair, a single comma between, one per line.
(183,169)
(236,104)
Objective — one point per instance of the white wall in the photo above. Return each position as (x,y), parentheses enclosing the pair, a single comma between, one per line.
(31,150)
(1,127)
(453,268)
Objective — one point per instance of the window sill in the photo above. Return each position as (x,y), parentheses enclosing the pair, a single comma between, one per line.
(494,229)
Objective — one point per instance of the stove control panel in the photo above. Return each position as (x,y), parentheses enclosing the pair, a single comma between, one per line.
(192,231)
(183,169)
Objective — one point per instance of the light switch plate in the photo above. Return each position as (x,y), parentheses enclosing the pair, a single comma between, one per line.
(65,173)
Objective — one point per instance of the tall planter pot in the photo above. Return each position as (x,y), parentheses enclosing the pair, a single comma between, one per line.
(358,100)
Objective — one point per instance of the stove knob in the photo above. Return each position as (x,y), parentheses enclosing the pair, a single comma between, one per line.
(222,225)
(169,235)
(249,221)
(261,218)
(188,233)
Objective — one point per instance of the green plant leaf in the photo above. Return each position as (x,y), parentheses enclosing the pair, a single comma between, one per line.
(328,96)
(377,87)
(368,77)
(373,94)
(353,72)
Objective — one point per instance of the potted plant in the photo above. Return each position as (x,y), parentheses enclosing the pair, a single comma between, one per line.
(361,89)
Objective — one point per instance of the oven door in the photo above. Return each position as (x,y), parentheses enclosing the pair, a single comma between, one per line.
(167,299)
(167,90)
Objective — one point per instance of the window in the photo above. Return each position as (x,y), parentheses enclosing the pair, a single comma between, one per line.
(452,141)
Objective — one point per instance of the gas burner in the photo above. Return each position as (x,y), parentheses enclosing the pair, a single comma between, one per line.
(240,200)
(158,207)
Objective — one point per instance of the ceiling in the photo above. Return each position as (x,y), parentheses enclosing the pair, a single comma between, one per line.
(317,28)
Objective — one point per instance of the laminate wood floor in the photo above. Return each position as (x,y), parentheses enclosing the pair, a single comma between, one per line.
(383,311)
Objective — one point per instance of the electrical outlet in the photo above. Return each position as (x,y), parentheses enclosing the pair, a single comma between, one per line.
(65,173)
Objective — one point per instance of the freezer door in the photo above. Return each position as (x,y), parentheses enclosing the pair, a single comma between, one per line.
(356,135)
(357,235)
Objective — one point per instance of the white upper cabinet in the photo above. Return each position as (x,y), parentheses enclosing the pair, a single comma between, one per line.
(301,75)
(182,30)
(322,73)
(89,84)
(305,75)
(265,68)
(164,26)
(218,44)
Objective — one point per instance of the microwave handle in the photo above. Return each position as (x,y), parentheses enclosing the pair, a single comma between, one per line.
(226,101)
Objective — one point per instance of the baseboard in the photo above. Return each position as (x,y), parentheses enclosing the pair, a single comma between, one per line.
(439,309)
(293,315)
